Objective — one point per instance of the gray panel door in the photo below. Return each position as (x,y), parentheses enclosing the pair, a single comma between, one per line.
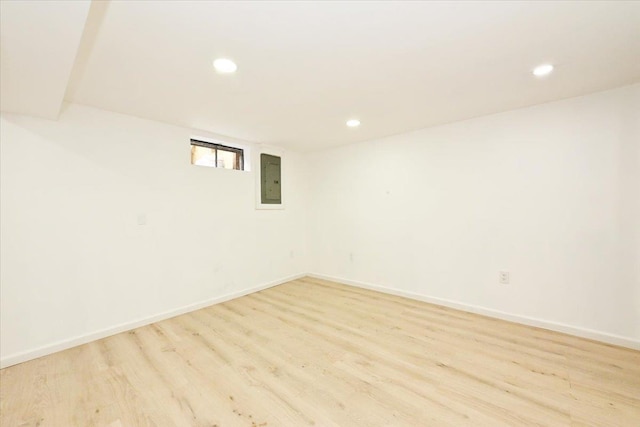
(270,174)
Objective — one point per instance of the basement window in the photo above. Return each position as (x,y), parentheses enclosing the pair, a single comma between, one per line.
(216,155)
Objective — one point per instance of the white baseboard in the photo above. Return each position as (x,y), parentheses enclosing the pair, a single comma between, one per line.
(16,358)
(529,321)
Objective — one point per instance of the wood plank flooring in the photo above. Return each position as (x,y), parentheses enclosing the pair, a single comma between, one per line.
(313,352)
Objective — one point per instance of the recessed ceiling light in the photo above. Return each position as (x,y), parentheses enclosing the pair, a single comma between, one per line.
(353,123)
(225,66)
(542,70)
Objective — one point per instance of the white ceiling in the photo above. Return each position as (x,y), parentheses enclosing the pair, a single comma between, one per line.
(38,45)
(307,67)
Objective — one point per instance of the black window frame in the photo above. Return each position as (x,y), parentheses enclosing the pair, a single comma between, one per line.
(238,151)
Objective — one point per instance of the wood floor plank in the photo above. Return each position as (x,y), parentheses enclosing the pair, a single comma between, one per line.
(314,352)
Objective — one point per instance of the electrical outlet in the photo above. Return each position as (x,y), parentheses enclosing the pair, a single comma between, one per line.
(504,277)
(351,256)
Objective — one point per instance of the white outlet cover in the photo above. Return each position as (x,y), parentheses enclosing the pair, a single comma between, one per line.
(504,277)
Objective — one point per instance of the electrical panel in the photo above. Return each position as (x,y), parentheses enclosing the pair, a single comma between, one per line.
(270,179)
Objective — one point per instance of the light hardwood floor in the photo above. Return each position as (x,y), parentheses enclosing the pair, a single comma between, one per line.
(312,352)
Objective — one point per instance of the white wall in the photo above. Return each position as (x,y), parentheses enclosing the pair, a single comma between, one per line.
(74,261)
(549,193)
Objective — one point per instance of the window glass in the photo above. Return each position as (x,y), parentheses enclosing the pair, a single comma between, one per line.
(216,155)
